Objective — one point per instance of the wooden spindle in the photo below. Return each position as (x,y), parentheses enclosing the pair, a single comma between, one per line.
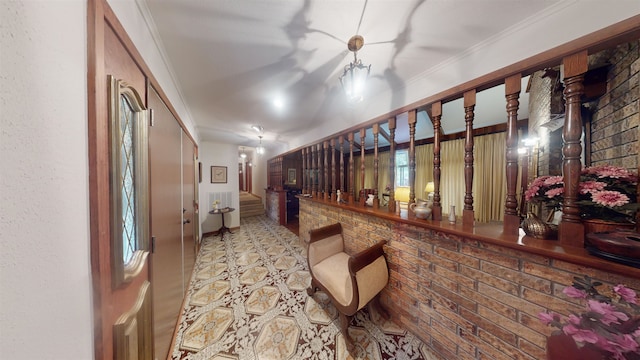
(304,170)
(314,172)
(352,192)
(571,229)
(376,201)
(469,105)
(436,113)
(320,172)
(412,155)
(341,187)
(363,197)
(325,145)
(512,93)
(333,170)
(392,164)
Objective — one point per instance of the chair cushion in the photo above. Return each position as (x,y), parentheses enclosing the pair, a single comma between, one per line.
(322,249)
(333,274)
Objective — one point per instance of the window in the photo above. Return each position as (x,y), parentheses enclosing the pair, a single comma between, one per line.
(128,133)
(402,168)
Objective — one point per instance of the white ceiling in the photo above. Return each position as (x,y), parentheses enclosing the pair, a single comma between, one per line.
(232,58)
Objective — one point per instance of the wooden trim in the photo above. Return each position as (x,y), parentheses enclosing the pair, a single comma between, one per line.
(513,86)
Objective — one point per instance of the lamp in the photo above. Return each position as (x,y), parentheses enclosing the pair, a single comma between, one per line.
(355,74)
(429,189)
(401,194)
(243,155)
(260,148)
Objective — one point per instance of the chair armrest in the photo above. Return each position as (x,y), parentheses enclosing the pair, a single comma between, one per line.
(366,257)
(324,232)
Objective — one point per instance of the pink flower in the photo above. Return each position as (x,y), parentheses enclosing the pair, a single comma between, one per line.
(627,294)
(554,192)
(625,342)
(572,292)
(553,180)
(590,187)
(609,313)
(547,318)
(580,335)
(610,198)
(531,192)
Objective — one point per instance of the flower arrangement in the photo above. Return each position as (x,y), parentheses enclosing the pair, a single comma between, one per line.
(216,203)
(604,192)
(610,324)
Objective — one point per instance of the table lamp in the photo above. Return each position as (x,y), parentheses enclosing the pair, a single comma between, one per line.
(429,189)
(402,194)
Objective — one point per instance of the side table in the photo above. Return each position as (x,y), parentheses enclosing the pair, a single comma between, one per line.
(222,211)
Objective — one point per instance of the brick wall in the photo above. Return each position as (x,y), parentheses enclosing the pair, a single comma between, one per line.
(614,127)
(466,299)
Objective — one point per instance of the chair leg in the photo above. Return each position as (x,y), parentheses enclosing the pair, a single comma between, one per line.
(312,288)
(344,328)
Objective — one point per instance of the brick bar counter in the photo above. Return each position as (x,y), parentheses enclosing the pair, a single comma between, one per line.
(469,293)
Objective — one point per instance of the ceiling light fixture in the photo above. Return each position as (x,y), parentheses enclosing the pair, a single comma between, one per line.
(259,129)
(260,148)
(243,155)
(355,74)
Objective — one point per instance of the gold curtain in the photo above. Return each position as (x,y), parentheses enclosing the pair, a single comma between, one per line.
(383,172)
(424,169)
(490,179)
(452,175)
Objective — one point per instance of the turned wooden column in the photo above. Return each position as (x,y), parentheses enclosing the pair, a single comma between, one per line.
(511,222)
(376,201)
(325,145)
(320,172)
(352,175)
(363,197)
(304,170)
(392,164)
(332,197)
(436,113)
(314,172)
(412,155)
(571,230)
(469,105)
(342,186)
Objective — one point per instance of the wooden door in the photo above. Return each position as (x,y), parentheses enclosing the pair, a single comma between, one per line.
(188,210)
(166,223)
(118,187)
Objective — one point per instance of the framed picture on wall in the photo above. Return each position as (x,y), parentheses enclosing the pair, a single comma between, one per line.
(291,176)
(218,174)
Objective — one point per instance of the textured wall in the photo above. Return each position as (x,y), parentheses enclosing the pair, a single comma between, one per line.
(464,298)
(614,130)
(45,273)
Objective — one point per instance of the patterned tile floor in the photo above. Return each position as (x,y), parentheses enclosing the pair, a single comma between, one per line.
(247,300)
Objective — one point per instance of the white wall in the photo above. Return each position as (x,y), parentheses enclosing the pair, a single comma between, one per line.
(45,273)
(218,154)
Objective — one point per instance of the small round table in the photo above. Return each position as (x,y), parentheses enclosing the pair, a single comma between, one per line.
(222,211)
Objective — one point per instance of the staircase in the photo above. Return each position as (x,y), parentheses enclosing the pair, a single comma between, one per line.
(250,205)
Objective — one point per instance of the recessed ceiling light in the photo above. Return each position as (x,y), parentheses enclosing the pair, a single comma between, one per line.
(278,103)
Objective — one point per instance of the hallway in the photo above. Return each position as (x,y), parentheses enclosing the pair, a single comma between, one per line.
(247,300)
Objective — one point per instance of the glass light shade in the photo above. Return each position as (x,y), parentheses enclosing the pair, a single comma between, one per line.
(260,150)
(354,79)
(243,155)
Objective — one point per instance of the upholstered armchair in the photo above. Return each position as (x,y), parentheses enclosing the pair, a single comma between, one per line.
(350,281)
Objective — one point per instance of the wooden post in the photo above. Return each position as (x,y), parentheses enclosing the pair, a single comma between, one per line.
(512,93)
(314,172)
(392,164)
(363,134)
(341,187)
(436,113)
(376,201)
(304,171)
(320,172)
(412,155)
(469,105)
(352,192)
(325,144)
(571,229)
(332,197)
